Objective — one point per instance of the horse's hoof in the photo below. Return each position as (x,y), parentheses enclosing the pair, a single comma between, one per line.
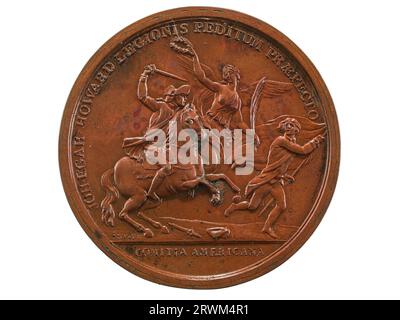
(148,233)
(164,229)
(110,222)
(236,199)
(157,225)
(226,214)
(216,202)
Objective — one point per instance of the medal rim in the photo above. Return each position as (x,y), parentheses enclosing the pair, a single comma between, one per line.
(247,273)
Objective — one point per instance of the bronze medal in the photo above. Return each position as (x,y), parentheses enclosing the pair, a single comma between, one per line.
(199,148)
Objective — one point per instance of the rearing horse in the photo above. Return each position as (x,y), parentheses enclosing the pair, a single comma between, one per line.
(132,179)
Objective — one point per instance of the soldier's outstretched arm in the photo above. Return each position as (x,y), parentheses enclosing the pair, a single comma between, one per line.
(305,149)
(142,91)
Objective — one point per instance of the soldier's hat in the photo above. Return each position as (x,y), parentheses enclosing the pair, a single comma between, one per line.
(172,91)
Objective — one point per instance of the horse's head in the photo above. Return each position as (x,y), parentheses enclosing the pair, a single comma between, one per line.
(190,119)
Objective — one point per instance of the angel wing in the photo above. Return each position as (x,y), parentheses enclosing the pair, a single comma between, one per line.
(274,88)
(271,88)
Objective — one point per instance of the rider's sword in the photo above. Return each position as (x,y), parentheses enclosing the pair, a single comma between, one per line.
(170,75)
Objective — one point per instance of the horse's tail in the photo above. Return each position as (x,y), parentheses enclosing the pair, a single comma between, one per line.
(112,194)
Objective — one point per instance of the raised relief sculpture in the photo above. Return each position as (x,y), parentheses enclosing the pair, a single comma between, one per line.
(146,185)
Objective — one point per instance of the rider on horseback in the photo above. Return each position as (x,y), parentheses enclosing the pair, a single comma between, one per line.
(164,110)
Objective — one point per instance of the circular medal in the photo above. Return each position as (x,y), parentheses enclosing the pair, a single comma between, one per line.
(199,148)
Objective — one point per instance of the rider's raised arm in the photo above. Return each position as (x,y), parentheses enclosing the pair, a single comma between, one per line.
(142,91)
(201,75)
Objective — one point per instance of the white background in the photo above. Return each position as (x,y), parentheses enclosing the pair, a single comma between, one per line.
(354,253)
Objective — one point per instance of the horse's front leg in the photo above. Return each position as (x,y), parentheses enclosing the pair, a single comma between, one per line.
(216,197)
(190,184)
(221,176)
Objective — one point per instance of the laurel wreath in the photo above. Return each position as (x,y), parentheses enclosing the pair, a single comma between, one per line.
(181,45)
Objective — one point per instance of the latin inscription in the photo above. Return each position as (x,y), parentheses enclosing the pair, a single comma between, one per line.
(92,90)
(79,163)
(220,29)
(291,73)
(196,252)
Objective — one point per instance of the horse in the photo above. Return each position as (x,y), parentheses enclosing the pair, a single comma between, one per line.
(132,179)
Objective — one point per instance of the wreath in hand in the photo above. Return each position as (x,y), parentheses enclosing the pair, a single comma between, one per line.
(182,46)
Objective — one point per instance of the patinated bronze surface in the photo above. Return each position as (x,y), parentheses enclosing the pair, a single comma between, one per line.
(199,224)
